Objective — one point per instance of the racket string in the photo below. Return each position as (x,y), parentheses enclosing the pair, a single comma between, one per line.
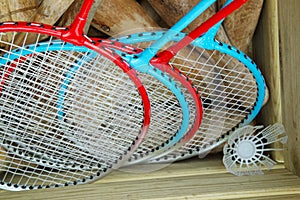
(166,114)
(228,91)
(98,120)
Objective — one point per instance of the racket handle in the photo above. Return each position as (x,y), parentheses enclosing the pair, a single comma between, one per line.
(168,54)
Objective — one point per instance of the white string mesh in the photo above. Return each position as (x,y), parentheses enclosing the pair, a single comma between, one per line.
(44,145)
(166,118)
(228,91)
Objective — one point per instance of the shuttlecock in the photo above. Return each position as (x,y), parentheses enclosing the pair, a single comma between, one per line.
(246,152)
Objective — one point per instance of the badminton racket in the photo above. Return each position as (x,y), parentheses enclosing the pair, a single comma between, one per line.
(162,100)
(165,108)
(104,116)
(231,86)
(163,130)
(141,62)
(165,80)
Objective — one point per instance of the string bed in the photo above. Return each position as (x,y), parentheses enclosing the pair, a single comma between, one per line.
(166,116)
(228,91)
(59,133)
(227,83)
(150,57)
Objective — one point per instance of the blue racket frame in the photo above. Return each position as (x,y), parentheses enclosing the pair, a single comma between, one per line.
(206,41)
(156,73)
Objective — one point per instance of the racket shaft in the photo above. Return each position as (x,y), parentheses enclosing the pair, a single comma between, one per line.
(200,30)
(179,26)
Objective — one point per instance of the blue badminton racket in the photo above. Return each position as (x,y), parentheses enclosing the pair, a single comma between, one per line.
(231,85)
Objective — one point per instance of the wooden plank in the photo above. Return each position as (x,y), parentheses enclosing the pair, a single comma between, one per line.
(267,56)
(48,12)
(190,179)
(225,186)
(289,24)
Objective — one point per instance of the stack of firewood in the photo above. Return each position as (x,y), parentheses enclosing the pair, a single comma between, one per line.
(114,17)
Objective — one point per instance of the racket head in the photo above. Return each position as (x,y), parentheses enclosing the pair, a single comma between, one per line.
(214,83)
(67,143)
(157,131)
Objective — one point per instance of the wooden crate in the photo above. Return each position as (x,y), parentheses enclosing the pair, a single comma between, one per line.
(275,51)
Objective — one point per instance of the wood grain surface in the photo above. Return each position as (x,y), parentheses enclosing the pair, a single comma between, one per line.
(119,16)
(18,10)
(3,163)
(289,29)
(70,14)
(266,53)
(241,25)
(192,179)
(48,12)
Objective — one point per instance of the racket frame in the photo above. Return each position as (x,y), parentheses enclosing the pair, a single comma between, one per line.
(74,34)
(144,61)
(198,37)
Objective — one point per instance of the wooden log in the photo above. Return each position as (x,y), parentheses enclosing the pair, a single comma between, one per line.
(119,16)
(241,25)
(18,10)
(5,16)
(153,14)
(70,14)
(47,13)
(22,10)
(5,12)
(50,11)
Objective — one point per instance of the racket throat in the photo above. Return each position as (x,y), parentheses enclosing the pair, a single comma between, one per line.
(163,57)
(136,62)
(74,32)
